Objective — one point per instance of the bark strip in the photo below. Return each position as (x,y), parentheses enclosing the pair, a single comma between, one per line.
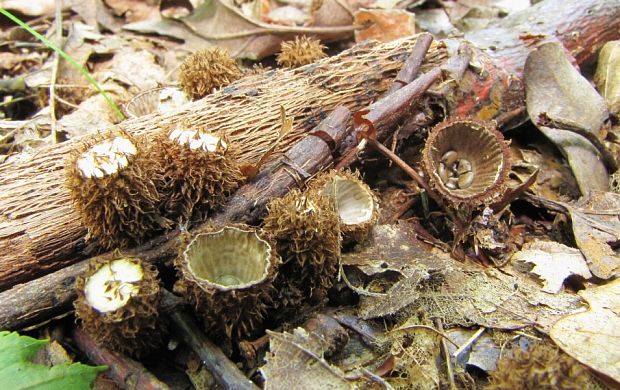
(36,301)
(39,230)
(125,372)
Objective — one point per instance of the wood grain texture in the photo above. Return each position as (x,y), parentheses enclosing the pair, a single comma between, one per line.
(39,230)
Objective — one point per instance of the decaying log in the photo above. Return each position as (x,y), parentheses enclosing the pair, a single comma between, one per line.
(36,301)
(53,294)
(125,372)
(301,162)
(225,372)
(39,231)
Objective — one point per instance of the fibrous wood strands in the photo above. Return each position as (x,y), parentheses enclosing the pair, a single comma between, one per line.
(39,230)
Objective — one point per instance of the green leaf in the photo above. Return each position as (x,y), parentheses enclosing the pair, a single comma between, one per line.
(18,372)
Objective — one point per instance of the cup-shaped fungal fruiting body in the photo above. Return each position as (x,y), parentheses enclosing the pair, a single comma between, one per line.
(306,229)
(161,99)
(113,190)
(117,304)
(467,162)
(206,70)
(302,51)
(355,202)
(197,171)
(227,275)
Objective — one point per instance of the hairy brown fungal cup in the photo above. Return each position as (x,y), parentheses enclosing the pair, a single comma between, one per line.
(207,69)
(197,171)
(302,51)
(113,190)
(355,202)
(466,161)
(117,304)
(227,275)
(542,367)
(306,229)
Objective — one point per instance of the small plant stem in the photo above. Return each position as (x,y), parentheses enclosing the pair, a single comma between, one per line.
(412,65)
(446,353)
(414,175)
(419,326)
(67,58)
(54,76)
(124,371)
(223,370)
(573,127)
(469,342)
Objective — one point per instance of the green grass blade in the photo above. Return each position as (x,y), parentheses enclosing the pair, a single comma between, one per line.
(67,57)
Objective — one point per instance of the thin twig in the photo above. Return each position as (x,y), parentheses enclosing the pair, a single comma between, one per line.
(67,103)
(226,373)
(469,342)
(376,378)
(441,333)
(9,135)
(446,354)
(511,195)
(19,99)
(419,180)
(52,100)
(573,127)
(350,156)
(411,67)
(529,336)
(124,371)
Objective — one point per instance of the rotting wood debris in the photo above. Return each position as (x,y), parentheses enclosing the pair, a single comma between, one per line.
(370,102)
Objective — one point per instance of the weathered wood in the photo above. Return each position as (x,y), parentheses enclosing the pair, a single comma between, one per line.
(39,230)
(53,294)
(310,155)
(125,372)
(225,372)
(40,299)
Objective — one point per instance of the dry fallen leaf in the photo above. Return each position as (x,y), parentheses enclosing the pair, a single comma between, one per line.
(471,15)
(30,8)
(483,353)
(555,180)
(458,293)
(555,88)
(596,228)
(384,25)
(134,10)
(607,77)
(553,263)
(221,23)
(92,115)
(125,63)
(592,337)
(295,361)
(94,13)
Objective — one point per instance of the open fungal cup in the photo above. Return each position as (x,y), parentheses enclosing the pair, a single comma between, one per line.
(118,303)
(355,202)
(113,190)
(306,229)
(161,100)
(227,274)
(467,162)
(197,171)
